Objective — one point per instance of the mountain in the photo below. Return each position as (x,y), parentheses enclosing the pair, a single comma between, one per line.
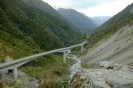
(32,26)
(85,24)
(117,48)
(99,20)
(112,25)
(113,41)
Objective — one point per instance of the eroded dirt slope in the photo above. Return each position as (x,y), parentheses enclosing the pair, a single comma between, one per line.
(117,49)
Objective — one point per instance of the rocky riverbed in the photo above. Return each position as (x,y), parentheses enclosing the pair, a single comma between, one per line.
(104,75)
(76,67)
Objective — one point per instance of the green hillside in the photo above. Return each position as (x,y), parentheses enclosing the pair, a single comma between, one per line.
(13,42)
(114,24)
(33,26)
(28,27)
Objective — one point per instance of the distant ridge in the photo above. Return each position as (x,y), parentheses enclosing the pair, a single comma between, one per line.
(85,23)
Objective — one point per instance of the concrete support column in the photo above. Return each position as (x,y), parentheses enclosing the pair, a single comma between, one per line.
(82,48)
(65,53)
(64,56)
(15,73)
(3,75)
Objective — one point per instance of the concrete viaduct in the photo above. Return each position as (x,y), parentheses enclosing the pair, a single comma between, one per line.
(4,67)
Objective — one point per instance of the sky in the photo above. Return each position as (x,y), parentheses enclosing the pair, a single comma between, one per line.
(93,8)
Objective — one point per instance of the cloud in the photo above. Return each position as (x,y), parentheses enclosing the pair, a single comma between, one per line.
(82,4)
(93,7)
(106,8)
(76,4)
(61,3)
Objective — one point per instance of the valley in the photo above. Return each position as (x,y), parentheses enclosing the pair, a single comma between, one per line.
(91,52)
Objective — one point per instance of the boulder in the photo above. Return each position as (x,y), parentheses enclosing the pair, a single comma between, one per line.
(108,76)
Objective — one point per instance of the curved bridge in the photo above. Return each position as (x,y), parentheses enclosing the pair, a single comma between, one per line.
(4,67)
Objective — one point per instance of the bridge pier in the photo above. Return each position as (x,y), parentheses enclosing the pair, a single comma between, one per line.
(3,75)
(64,56)
(82,48)
(15,73)
(65,53)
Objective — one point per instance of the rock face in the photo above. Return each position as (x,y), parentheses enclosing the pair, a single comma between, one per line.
(105,75)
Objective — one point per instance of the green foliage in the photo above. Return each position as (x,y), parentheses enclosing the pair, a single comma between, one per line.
(41,25)
(13,42)
(50,69)
(62,83)
(10,84)
(114,24)
(32,27)
(46,67)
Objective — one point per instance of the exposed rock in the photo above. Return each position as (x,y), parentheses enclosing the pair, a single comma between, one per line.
(117,77)
(31,82)
(118,48)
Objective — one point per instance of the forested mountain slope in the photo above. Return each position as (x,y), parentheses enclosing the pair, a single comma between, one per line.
(84,23)
(32,26)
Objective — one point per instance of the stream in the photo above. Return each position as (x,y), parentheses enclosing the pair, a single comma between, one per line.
(77,66)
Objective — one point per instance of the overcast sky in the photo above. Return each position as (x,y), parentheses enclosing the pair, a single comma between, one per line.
(93,7)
